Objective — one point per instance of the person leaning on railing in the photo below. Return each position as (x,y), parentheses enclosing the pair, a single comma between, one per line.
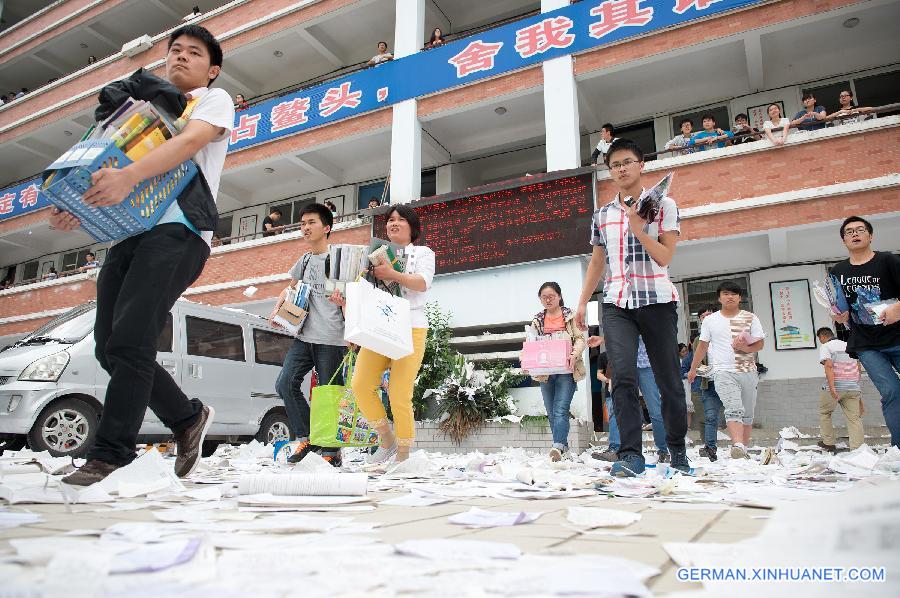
(849,114)
(776,121)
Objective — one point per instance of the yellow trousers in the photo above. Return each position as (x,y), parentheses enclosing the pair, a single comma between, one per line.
(369,368)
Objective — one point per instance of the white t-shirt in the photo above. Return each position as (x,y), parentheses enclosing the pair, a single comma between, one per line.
(216,108)
(768,125)
(419,260)
(846,370)
(720,332)
(379,58)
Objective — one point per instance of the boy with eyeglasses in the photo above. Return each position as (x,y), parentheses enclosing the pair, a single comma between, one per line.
(871,282)
(639,300)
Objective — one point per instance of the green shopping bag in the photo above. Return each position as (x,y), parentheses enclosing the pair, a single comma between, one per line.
(334,418)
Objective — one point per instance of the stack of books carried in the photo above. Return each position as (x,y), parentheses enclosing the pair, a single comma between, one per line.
(131,132)
(347,263)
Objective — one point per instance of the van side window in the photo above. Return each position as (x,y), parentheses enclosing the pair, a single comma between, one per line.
(270,347)
(164,343)
(208,338)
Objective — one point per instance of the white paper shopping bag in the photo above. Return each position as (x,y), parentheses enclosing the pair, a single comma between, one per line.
(377,321)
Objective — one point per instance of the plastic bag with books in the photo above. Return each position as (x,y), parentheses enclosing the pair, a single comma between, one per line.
(335,420)
(292,313)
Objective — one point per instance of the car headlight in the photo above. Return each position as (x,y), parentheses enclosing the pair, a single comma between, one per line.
(46,369)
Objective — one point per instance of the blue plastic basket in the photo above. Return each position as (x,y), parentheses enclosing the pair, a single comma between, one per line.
(138,213)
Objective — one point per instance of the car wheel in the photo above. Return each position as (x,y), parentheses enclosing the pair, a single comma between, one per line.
(65,428)
(275,427)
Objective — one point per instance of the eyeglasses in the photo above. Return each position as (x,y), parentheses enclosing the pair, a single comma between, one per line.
(622,164)
(845,95)
(855,231)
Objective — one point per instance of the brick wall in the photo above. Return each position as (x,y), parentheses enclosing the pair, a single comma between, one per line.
(493,437)
(795,402)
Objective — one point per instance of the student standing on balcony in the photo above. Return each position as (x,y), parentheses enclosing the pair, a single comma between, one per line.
(710,135)
(849,114)
(776,122)
(812,117)
(403,228)
(382,56)
(871,279)
(437,39)
(144,275)
(320,342)
(607,138)
(558,389)
(687,126)
(639,299)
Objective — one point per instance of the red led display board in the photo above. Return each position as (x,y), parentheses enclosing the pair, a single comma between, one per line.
(544,219)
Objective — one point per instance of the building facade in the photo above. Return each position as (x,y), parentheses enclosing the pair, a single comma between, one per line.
(519,88)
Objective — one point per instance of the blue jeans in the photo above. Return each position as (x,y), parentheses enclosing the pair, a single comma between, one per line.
(883,366)
(300,359)
(658,325)
(613,427)
(558,392)
(650,391)
(712,404)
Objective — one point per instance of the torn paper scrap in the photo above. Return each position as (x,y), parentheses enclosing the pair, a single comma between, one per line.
(476,517)
(304,484)
(449,549)
(592,517)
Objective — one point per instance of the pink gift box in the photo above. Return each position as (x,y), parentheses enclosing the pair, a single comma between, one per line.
(545,357)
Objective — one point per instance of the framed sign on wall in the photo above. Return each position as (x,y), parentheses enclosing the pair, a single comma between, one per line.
(792,315)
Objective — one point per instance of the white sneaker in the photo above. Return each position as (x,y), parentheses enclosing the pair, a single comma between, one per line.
(738,451)
(381,455)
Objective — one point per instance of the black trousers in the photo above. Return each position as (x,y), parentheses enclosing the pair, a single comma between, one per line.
(658,325)
(138,284)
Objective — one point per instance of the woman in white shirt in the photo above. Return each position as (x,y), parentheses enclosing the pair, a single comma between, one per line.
(776,121)
(403,228)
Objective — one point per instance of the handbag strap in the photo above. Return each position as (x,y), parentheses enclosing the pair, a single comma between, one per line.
(348,360)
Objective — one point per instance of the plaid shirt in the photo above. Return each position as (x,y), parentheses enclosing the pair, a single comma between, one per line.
(633,278)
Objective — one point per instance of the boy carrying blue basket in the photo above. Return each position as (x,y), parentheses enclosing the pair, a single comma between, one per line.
(145,274)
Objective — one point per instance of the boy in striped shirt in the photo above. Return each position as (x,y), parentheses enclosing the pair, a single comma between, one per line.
(841,388)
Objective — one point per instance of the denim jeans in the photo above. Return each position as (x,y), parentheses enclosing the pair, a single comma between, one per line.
(647,383)
(883,367)
(300,359)
(613,427)
(658,325)
(558,392)
(712,404)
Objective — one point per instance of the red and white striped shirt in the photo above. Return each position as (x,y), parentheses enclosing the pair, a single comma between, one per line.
(633,278)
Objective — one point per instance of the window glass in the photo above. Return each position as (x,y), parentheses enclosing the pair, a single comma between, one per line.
(270,347)
(208,338)
(164,343)
(30,271)
(223,228)
(879,90)
(642,134)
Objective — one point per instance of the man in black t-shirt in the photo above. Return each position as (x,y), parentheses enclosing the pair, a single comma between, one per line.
(270,222)
(871,282)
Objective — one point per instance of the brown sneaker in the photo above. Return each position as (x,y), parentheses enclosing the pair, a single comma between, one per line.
(91,472)
(607,455)
(190,443)
(555,454)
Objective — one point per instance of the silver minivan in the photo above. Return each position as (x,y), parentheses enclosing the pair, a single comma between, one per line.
(52,387)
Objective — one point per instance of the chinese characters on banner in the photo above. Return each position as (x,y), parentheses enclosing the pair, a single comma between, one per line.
(792,315)
(575,28)
(21,199)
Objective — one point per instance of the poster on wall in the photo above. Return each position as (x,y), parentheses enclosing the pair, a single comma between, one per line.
(247,227)
(792,315)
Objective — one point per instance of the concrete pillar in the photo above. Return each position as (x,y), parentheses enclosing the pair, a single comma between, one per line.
(406,130)
(560,107)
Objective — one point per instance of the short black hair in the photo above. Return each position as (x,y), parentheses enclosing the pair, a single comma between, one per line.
(825,331)
(626,145)
(709,116)
(685,120)
(610,128)
(324,214)
(856,219)
(275,211)
(681,346)
(379,43)
(204,35)
(90,253)
(707,308)
(742,115)
(410,215)
(731,287)
(808,96)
